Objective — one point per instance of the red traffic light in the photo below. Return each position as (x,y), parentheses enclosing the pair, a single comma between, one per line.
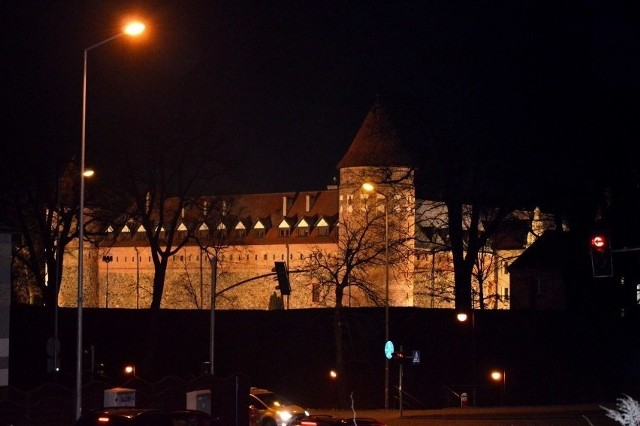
(599,241)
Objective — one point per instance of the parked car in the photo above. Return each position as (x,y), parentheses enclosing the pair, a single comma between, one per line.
(328,420)
(267,408)
(134,416)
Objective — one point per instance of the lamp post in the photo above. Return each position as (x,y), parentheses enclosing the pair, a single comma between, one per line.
(462,317)
(369,187)
(132,29)
(497,375)
(107,259)
(212,328)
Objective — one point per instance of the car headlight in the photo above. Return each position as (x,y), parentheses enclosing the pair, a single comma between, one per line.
(284,415)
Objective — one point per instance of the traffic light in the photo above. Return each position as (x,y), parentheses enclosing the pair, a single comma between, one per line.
(283,278)
(601,259)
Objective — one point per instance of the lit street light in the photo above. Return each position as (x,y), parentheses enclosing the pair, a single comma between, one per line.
(462,317)
(107,259)
(500,376)
(369,187)
(132,29)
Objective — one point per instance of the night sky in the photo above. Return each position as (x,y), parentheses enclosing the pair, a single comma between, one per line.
(539,85)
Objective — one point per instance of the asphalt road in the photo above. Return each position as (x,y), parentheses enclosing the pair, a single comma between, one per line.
(578,415)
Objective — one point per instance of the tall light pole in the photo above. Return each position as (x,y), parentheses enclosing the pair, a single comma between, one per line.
(132,29)
(497,376)
(107,259)
(462,317)
(369,187)
(212,328)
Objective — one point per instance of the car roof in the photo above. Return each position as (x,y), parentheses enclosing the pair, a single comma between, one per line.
(259,390)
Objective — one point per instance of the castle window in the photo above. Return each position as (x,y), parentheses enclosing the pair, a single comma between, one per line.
(266,256)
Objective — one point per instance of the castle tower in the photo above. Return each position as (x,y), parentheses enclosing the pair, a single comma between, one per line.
(376,157)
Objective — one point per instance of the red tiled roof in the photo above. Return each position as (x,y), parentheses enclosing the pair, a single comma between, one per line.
(376,144)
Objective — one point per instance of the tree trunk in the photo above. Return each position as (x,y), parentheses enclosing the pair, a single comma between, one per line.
(158,284)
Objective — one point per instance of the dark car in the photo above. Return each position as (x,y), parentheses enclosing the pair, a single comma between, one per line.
(132,416)
(328,420)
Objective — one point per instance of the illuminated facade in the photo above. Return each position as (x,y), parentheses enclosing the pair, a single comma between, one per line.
(248,233)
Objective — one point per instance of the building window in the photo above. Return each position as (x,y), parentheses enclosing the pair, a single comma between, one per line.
(259,233)
(506,294)
(315,293)
(323,231)
(284,232)
(303,231)
(266,257)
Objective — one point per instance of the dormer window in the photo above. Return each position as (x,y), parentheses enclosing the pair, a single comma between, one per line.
(259,232)
(140,235)
(203,231)
(284,232)
(221,230)
(303,231)
(323,231)
(182,231)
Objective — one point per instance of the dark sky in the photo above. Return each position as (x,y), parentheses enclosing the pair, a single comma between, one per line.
(289,82)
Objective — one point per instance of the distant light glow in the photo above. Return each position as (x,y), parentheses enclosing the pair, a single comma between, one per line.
(368,187)
(134,28)
(496,375)
(462,317)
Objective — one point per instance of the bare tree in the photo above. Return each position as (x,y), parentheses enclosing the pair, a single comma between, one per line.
(43,208)
(464,231)
(157,172)
(350,270)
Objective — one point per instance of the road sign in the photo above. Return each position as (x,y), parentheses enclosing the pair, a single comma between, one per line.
(389,349)
(416,357)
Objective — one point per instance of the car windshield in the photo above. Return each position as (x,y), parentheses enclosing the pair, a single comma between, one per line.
(272,399)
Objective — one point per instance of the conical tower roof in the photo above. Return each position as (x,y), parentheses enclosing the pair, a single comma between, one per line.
(376,144)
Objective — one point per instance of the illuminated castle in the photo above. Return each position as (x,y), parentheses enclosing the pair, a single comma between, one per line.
(371,235)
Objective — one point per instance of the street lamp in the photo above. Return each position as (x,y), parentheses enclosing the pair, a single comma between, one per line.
(500,376)
(462,317)
(107,259)
(131,29)
(369,187)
